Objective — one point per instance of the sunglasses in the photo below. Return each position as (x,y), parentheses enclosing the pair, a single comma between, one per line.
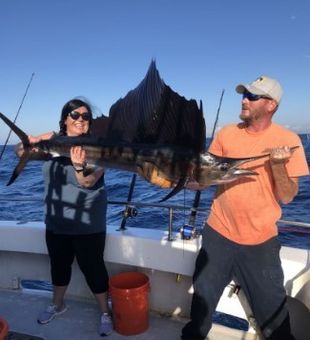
(76,115)
(253,97)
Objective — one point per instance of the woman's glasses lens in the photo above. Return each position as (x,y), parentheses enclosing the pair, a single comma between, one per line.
(76,115)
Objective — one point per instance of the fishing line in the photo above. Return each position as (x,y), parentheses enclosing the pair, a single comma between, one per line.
(184,213)
(20,106)
(184,205)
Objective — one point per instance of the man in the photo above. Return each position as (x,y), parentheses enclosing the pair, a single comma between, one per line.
(240,237)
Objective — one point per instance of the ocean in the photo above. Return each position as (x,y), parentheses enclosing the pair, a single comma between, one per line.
(23,200)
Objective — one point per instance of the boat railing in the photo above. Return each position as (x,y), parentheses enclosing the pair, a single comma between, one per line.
(171,208)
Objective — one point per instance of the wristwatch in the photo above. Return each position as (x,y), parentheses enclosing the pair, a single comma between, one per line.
(80,168)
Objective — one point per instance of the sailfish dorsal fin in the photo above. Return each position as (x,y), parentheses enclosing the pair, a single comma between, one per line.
(153,113)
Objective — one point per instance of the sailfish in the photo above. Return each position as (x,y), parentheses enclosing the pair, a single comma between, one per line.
(152,129)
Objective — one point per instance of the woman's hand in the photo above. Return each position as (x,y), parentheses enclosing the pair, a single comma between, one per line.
(35,152)
(78,157)
(44,136)
(34,139)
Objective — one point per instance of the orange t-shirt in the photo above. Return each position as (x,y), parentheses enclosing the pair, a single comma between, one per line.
(246,211)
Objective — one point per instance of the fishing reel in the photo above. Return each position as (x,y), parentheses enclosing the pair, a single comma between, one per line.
(130,211)
(188,232)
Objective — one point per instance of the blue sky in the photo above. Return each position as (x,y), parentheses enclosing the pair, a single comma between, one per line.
(101,49)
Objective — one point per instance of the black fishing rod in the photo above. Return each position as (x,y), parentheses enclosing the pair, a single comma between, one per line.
(193,214)
(188,231)
(216,117)
(20,106)
(129,211)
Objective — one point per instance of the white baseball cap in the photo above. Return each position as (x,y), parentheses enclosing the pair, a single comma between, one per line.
(263,86)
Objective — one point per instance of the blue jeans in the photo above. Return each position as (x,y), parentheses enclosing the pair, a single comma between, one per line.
(256,268)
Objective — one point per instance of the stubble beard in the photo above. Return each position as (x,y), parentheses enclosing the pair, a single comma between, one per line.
(246,119)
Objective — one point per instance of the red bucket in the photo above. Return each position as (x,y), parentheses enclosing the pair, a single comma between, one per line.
(130,304)
(4,329)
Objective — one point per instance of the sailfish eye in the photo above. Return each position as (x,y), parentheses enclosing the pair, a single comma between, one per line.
(224,166)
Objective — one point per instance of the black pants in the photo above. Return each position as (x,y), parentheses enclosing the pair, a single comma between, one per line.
(258,271)
(88,250)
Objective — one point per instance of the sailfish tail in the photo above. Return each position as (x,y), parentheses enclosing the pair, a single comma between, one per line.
(19,167)
(26,146)
(20,133)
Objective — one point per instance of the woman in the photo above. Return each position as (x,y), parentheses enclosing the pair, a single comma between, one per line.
(75,217)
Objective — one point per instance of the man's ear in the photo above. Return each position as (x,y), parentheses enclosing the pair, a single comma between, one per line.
(273,106)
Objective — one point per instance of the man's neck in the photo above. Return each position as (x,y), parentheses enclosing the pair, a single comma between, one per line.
(258,126)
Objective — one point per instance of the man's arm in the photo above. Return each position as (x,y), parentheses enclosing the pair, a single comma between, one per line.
(286,187)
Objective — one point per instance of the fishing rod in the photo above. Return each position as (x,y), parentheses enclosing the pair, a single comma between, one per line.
(216,117)
(20,106)
(188,231)
(130,210)
(193,214)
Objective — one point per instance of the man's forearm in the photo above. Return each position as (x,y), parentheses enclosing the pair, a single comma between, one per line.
(286,187)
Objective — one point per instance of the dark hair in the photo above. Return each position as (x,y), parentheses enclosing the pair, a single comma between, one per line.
(68,107)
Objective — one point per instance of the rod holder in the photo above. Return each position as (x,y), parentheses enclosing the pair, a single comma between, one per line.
(170,238)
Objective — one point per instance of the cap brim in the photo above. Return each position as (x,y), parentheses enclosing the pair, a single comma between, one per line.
(241,88)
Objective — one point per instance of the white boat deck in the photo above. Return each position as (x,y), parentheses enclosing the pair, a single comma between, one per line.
(168,265)
(20,310)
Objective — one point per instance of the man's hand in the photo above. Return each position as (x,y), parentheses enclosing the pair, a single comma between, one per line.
(280,154)
(286,188)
